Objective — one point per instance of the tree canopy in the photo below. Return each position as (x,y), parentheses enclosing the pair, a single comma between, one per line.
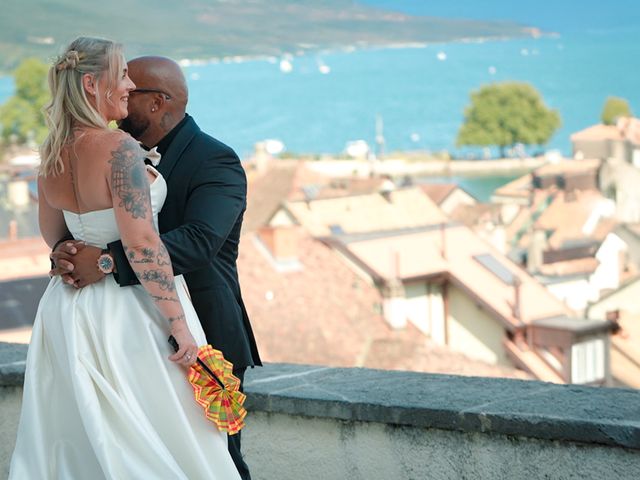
(21,118)
(506,114)
(614,108)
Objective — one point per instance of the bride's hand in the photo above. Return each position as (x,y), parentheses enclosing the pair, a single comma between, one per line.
(188,349)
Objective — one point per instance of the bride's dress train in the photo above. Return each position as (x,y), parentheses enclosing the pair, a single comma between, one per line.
(101,399)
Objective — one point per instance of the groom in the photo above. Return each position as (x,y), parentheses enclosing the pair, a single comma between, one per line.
(199,223)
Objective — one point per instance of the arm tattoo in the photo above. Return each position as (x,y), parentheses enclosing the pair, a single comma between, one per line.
(161,278)
(179,317)
(147,256)
(159,298)
(129,179)
(163,256)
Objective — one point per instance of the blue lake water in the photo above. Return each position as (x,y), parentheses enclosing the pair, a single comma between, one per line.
(421,98)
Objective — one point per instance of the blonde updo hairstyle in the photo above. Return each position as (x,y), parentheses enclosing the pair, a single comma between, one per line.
(70,107)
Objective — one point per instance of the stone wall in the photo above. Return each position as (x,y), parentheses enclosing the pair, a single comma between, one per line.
(310,422)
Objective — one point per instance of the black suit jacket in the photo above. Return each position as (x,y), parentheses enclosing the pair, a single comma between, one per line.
(200,226)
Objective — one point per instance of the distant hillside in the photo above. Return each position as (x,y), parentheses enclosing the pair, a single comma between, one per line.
(215,28)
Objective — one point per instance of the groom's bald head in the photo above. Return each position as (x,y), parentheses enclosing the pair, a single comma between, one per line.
(160,73)
(159,100)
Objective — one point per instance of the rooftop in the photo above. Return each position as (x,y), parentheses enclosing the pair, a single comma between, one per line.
(577,266)
(625,354)
(568,167)
(438,192)
(574,215)
(293,180)
(266,192)
(347,328)
(626,129)
(522,186)
(402,208)
(456,251)
(577,325)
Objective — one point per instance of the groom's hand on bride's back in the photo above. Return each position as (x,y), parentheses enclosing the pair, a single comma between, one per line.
(62,257)
(76,263)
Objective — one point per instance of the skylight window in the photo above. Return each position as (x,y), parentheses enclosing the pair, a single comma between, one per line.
(492,264)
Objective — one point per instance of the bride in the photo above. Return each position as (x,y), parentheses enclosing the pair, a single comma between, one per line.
(103,395)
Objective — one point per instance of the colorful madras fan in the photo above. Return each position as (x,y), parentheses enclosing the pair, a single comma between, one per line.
(217,389)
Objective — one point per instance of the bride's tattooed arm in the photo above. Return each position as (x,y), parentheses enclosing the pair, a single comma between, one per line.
(129,179)
(145,251)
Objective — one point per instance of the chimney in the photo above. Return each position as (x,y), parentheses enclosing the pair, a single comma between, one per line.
(13,230)
(535,250)
(281,241)
(443,240)
(517,313)
(393,303)
(393,295)
(261,157)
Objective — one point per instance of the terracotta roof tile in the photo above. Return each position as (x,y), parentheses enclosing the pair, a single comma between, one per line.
(522,186)
(406,208)
(293,180)
(628,337)
(403,350)
(266,192)
(626,129)
(568,214)
(419,254)
(438,192)
(477,214)
(625,351)
(585,265)
(533,363)
(568,166)
(326,314)
(519,225)
(597,133)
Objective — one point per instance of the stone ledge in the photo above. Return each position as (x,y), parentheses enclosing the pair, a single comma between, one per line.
(591,415)
(13,358)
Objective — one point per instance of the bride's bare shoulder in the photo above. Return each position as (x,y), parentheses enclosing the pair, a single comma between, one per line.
(109,140)
(105,145)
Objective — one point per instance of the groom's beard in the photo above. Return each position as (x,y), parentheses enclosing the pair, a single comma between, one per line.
(134,127)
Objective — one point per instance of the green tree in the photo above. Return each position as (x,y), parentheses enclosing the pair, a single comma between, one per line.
(21,118)
(614,108)
(504,114)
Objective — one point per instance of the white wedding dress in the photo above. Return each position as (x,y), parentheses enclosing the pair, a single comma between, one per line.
(101,399)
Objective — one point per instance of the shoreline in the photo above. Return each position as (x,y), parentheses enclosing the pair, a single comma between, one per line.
(397,167)
(350,48)
(527,33)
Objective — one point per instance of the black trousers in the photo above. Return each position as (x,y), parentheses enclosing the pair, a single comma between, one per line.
(234,440)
